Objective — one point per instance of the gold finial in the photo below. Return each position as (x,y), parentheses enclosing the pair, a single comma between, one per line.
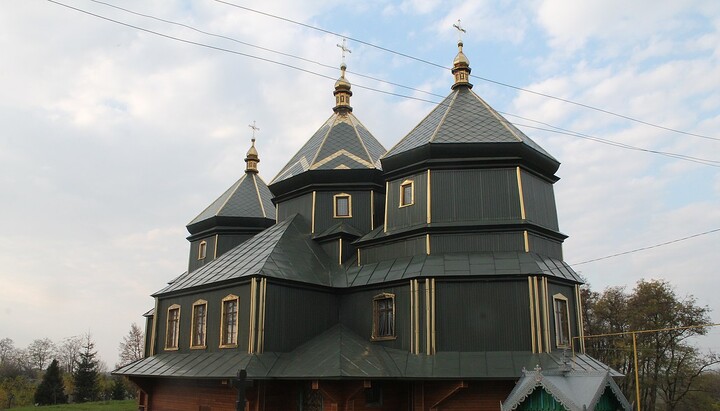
(461,64)
(252,159)
(342,91)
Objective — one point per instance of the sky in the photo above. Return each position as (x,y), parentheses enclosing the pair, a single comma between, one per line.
(114,138)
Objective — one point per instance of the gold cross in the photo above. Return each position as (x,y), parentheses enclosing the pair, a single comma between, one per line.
(460,30)
(344,49)
(254,128)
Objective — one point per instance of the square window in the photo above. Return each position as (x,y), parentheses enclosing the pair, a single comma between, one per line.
(343,206)
(172,334)
(384,317)
(199,324)
(229,322)
(407,193)
(562,321)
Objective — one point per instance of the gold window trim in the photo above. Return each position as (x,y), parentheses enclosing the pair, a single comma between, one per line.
(176,327)
(230,297)
(335,199)
(411,184)
(559,297)
(194,346)
(374,336)
(202,250)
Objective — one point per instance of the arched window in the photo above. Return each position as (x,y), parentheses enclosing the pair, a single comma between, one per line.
(562,321)
(172,330)
(229,322)
(198,336)
(383,317)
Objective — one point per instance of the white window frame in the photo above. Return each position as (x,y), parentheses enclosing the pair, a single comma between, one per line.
(335,205)
(558,327)
(411,184)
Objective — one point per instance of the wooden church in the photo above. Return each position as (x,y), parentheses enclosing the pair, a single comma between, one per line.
(425,277)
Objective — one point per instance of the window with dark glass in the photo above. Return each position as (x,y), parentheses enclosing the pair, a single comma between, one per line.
(199,324)
(562,321)
(202,250)
(173,327)
(229,322)
(407,193)
(384,316)
(342,206)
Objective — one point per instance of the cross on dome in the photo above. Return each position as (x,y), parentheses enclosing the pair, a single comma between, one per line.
(460,30)
(344,49)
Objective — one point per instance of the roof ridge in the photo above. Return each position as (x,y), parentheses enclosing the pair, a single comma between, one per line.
(230,191)
(497,116)
(362,142)
(257,191)
(442,120)
(334,118)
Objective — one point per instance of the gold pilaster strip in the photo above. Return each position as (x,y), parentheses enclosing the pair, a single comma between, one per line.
(312,214)
(427,316)
(527,241)
(429,208)
(251,334)
(427,244)
(387,198)
(261,322)
(217,237)
(537,315)
(257,191)
(580,323)
(412,317)
(372,210)
(532,315)
(547,314)
(432,311)
(520,192)
(417,317)
(277,213)
(358,250)
(340,251)
(154,326)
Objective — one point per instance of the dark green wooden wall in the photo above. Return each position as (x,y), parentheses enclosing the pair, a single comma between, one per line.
(360,210)
(356,311)
(568,291)
(402,248)
(545,246)
(539,200)
(194,263)
(299,205)
(227,242)
(476,242)
(404,217)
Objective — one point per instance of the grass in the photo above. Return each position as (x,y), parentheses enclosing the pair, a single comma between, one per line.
(128,405)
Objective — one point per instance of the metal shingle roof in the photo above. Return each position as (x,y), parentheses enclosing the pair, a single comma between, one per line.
(248,197)
(342,142)
(463,117)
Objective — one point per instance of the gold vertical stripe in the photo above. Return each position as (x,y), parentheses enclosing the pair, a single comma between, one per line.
(429,212)
(340,251)
(581,324)
(547,314)
(387,198)
(251,334)
(537,316)
(427,244)
(154,326)
(527,241)
(412,317)
(372,210)
(312,214)
(520,192)
(532,316)
(217,237)
(427,316)
(432,301)
(417,317)
(277,213)
(257,191)
(262,317)
(358,250)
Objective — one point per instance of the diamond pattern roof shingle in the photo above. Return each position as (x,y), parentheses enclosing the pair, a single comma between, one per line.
(341,143)
(463,117)
(248,197)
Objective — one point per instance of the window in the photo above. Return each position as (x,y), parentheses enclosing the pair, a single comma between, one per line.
(229,322)
(342,205)
(562,321)
(202,250)
(199,324)
(383,317)
(172,334)
(407,193)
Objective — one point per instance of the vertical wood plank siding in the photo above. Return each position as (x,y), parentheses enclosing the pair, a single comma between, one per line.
(475,195)
(194,263)
(476,316)
(539,197)
(569,292)
(402,217)
(545,246)
(214,307)
(403,248)
(324,218)
(356,313)
(299,205)
(459,243)
(290,320)
(227,242)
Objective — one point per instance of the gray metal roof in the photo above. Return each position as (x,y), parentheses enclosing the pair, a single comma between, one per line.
(341,143)
(340,353)
(463,117)
(248,197)
(577,390)
(282,251)
(456,265)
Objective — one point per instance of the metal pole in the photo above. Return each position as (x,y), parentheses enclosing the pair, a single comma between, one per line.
(637,378)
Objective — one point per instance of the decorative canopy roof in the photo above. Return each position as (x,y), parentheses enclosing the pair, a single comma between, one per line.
(464,118)
(342,142)
(248,198)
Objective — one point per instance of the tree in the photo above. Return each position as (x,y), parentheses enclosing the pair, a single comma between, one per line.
(68,353)
(132,348)
(668,364)
(51,389)
(39,353)
(7,350)
(86,374)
